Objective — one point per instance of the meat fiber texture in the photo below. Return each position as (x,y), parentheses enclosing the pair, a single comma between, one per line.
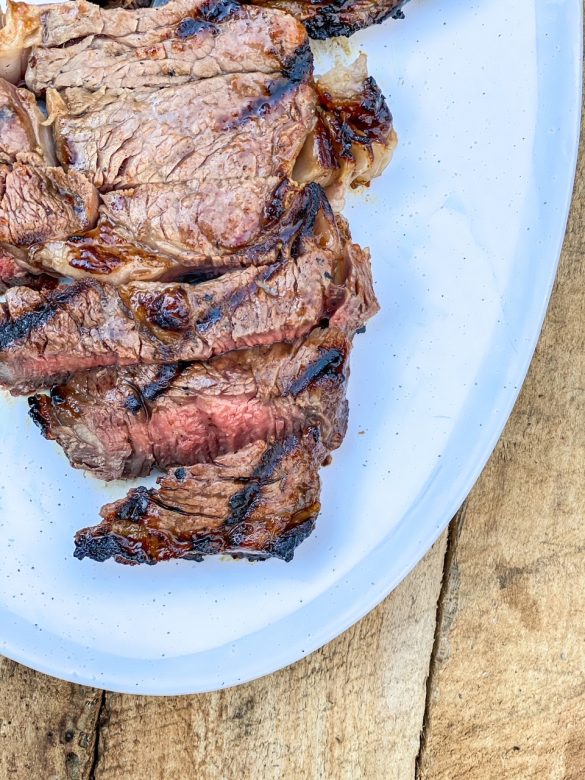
(185,169)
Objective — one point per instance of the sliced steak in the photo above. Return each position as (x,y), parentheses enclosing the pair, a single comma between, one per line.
(39,202)
(253,40)
(258,503)
(164,231)
(333,18)
(44,337)
(123,423)
(229,127)
(58,24)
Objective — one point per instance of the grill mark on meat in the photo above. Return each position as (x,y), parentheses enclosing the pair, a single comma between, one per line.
(242,503)
(21,327)
(337,19)
(299,67)
(154,389)
(273,93)
(329,364)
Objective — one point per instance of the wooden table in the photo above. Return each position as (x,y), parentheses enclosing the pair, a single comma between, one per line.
(473,668)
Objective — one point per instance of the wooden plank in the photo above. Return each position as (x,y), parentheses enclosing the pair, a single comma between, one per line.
(507,691)
(47,727)
(352,710)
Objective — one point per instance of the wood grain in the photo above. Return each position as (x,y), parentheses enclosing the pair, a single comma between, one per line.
(507,692)
(352,710)
(47,727)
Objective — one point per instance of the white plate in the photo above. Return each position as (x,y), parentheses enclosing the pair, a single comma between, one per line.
(465,230)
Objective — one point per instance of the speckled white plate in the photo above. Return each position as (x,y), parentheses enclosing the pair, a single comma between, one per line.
(465,230)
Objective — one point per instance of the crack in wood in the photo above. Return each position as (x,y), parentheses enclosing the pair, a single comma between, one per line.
(100,721)
(445,610)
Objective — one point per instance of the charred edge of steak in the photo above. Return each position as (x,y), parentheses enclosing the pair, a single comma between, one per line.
(329,364)
(21,327)
(284,547)
(141,395)
(40,414)
(299,67)
(364,120)
(101,548)
(331,22)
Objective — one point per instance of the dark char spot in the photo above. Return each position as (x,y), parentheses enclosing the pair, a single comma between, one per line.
(100,548)
(219,10)
(328,364)
(244,501)
(159,385)
(299,67)
(21,327)
(189,27)
(36,415)
(181,474)
(284,546)
(170,310)
(135,506)
(213,316)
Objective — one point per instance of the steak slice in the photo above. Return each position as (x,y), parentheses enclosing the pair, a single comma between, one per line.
(46,336)
(123,423)
(58,24)
(258,503)
(197,46)
(40,203)
(228,127)
(164,231)
(333,18)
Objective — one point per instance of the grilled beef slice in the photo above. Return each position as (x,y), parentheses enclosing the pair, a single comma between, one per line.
(123,423)
(46,336)
(333,18)
(251,40)
(228,127)
(257,503)
(164,231)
